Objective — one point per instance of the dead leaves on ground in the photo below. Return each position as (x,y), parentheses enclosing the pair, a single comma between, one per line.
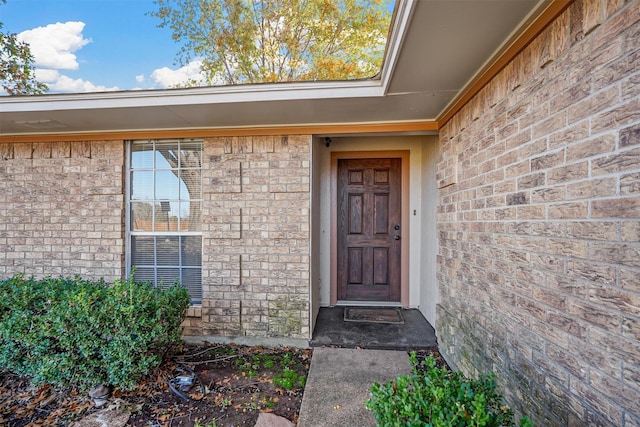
(236,389)
(22,405)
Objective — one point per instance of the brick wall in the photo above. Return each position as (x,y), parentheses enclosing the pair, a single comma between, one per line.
(256,237)
(62,213)
(539,223)
(61,209)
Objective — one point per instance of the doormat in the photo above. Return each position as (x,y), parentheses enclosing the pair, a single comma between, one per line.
(373,315)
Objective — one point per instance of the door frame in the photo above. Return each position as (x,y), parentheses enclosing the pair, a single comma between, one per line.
(404,194)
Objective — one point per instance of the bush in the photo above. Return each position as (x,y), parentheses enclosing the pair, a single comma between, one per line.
(74,332)
(430,396)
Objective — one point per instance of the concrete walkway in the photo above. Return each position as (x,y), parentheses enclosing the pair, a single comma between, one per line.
(339,382)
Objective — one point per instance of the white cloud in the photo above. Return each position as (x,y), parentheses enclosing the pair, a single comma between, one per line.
(165,77)
(67,84)
(53,46)
(54,49)
(46,75)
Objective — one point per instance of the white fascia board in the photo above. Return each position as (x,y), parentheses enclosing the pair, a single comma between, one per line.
(194,96)
(404,12)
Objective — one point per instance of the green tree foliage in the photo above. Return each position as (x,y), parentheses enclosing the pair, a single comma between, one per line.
(16,66)
(253,41)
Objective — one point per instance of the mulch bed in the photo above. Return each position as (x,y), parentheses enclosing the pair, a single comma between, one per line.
(239,382)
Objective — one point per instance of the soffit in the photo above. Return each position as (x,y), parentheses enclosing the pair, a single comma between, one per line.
(440,47)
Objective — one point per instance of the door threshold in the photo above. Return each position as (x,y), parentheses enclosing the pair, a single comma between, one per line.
(368,304)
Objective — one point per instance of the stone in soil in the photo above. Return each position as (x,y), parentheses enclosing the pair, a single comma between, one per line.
(272,420)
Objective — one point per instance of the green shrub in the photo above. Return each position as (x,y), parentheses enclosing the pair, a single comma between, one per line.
(74,332)
(435,397)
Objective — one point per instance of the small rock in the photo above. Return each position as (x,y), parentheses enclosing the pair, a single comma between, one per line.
(266,419)
(104,418)
(100,392)
(99,395)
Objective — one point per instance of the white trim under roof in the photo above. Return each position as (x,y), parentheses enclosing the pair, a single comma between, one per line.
(195,96)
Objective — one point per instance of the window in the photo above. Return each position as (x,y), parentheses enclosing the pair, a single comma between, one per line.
(165,205)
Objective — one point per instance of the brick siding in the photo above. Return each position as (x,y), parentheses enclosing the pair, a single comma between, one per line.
(256,236)
(539,223)
(62,209)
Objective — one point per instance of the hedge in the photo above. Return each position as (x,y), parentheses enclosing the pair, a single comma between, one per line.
(75,332)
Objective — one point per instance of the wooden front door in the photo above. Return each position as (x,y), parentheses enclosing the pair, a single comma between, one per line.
(369,229)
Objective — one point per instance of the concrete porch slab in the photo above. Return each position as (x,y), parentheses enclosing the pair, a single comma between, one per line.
(332,330)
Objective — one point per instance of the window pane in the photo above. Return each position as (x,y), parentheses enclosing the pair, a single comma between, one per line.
(167,277)
(141,216)
(190,185)
(166,216)
(142,155)
(192,280)
(192,250)
(166,155)
(142,185)
(144,275)
(190,216)
(191,154)
(167,185)
(142,250)
(167,250)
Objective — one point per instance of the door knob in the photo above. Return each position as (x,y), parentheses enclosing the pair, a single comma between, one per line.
(396,227)
(396,237)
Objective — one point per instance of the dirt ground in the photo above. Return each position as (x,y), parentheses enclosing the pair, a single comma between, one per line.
(231,386)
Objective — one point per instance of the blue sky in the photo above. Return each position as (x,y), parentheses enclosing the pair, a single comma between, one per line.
(95,45)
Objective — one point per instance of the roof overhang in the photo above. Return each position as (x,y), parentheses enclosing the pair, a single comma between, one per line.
(438,53)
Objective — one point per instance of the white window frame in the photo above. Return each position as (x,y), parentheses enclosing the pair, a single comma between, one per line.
(128,213)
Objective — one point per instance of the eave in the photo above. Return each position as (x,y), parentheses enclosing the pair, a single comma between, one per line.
(389,103)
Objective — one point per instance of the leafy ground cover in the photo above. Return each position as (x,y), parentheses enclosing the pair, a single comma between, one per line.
(238,382)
